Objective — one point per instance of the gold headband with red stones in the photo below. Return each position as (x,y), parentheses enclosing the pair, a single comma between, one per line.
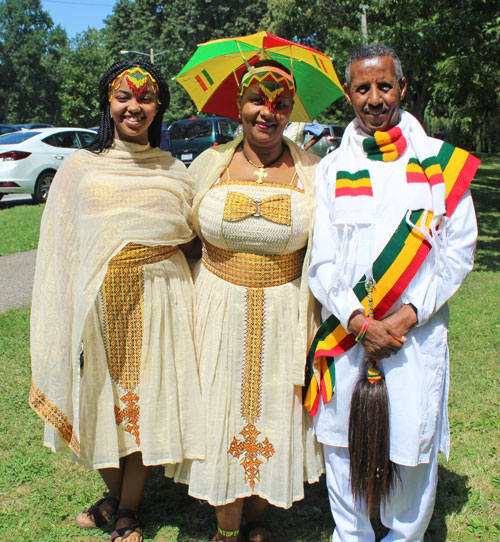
(272,83)
(137,80)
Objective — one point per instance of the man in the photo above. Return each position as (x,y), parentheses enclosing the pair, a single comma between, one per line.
(297,132)
(385,177)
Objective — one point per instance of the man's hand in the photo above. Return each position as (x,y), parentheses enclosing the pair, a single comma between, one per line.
(381,339)
(402,320)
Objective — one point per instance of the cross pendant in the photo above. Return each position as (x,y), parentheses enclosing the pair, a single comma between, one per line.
(260,173)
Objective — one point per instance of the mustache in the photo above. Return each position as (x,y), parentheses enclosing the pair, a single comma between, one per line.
(375,109)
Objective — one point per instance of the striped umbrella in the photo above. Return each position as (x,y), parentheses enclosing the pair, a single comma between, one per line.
(211,76)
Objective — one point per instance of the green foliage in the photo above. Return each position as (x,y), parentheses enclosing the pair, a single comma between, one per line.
(85,62)
(449,52)
(30,53)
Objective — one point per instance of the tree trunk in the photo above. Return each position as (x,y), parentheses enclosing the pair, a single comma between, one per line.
(6,106)
(416,97)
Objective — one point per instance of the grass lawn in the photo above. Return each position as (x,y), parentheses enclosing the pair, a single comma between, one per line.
(20,227)
(41,492)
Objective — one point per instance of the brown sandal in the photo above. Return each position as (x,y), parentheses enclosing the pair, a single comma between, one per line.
(93,517)
(125,532)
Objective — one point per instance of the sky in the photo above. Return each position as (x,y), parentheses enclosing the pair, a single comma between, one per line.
(77,15)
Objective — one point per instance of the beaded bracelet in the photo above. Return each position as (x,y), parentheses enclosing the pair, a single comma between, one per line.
(362,331)
(228,534)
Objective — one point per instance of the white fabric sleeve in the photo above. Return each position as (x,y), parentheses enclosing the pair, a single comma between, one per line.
(429,295)
(341,303)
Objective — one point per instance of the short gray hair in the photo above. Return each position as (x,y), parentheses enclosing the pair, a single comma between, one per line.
(372,50)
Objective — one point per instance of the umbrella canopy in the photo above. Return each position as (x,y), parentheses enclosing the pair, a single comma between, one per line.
(211,77)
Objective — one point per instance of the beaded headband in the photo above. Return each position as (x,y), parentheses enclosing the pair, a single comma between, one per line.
(272,84)
(137,80)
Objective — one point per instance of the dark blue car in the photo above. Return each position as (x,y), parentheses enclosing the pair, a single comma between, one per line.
(190,137)
(6,128)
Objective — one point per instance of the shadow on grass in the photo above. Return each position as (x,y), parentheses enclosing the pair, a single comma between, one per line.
(452,496)
(168,504)
(16,203)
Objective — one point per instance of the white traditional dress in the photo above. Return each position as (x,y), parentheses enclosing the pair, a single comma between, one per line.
(113,361)
(254,320)
(417,377)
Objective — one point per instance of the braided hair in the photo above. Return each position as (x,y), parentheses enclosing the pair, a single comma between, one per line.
(106,133)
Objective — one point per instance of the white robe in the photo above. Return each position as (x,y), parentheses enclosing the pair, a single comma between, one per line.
(417,377)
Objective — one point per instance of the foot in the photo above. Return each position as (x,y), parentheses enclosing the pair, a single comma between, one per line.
(226,536)
(221,538)
(127,527)
(99,513)
(257,531)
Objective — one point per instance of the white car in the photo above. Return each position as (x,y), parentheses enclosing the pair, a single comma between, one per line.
(29,159)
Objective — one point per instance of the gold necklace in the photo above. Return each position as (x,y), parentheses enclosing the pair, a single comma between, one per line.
(259,172)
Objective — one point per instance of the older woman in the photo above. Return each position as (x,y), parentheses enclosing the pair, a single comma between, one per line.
(253,211)
(114,371)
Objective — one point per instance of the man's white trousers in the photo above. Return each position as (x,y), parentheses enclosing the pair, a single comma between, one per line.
(407,513)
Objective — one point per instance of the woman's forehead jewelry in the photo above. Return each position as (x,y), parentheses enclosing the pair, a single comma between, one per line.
(137,79)
(272,84)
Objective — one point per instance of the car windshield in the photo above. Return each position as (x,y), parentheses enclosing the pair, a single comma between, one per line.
(191,130)
(13,138)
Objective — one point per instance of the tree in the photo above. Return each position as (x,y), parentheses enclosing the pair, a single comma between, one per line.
(86,60)
(449,52)
(29,58)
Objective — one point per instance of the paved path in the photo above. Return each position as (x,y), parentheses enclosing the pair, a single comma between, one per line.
(16,279)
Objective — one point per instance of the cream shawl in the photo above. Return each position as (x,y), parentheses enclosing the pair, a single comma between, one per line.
(97,204)
(207,168)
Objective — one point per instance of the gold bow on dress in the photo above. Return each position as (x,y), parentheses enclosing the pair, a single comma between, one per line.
(275,208)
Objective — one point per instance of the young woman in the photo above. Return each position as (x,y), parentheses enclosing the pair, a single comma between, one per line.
(114,371)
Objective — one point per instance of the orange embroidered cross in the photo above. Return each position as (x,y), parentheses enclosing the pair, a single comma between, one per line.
(251,450)
(130,413)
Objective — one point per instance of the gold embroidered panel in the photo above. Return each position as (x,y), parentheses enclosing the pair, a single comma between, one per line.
(249,450)
(253,270)
(54,417)
(276,208)
(122,297)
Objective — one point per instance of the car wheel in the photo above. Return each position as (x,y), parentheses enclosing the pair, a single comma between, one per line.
(42,186)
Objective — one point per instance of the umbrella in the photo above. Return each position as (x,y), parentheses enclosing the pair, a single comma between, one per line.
(211,76)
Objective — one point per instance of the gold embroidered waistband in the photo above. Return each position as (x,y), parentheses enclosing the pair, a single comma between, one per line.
(133,255)
(253,270)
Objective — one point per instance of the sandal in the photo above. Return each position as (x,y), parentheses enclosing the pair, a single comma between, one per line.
(264,535)
(93,517)
(133,527)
